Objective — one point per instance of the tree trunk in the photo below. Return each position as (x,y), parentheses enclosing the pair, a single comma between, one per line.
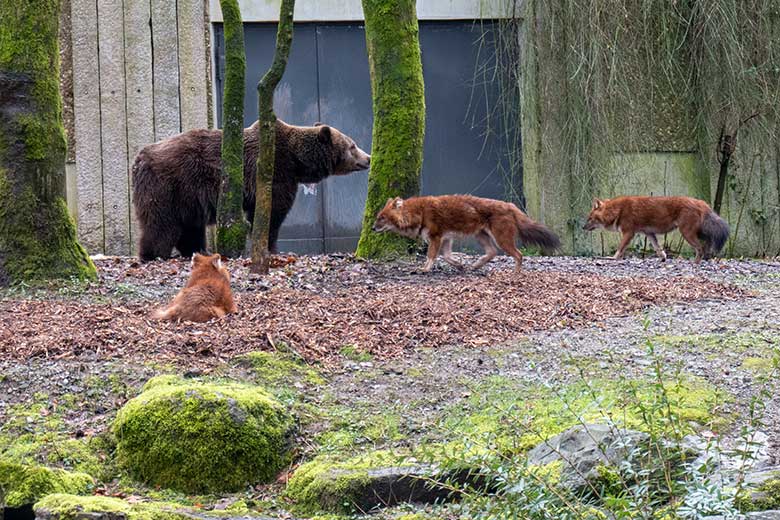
(37,235)
(266,139)
(399,116)
(231,225)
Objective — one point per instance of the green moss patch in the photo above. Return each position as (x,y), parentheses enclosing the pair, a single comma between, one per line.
(199,437)
(514,419)
(277,369)
(717,343)
(34,434)
(40,239)
(23,484)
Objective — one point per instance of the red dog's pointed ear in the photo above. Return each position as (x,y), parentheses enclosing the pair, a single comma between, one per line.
(216,261)
(597,203)
(398,202)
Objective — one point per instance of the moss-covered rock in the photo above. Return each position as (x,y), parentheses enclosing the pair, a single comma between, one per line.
(321,485)
(71,507)
(374,480)
(200,437)
(764,497)
(22,484)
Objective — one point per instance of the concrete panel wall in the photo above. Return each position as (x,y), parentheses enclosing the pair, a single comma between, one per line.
(140,74)
(352,10)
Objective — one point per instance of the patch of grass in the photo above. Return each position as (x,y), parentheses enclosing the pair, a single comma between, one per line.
(352,353)
(34,433)
(501,412)
(758,365)
(763,498)
(279,369)
(718,343)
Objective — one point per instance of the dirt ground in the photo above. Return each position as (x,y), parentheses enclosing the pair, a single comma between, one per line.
(396,349)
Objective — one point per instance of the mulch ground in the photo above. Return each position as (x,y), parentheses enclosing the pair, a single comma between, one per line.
(318,305)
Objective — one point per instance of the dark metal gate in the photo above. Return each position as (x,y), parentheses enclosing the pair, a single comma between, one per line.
(327,80)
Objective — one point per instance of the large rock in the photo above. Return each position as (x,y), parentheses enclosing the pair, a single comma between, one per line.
(22,485)
(199,437)
(70,507)
(762,490)
(584,449)
(372,481)
(762,515)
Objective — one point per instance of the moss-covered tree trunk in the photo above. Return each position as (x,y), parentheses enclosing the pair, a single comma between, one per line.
(37,235)
(399,116)
(266,139)
(231,225)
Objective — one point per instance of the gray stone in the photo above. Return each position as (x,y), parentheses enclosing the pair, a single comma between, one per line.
(759,515)
(584,448)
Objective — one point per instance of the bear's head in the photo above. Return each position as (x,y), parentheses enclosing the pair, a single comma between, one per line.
(346,157)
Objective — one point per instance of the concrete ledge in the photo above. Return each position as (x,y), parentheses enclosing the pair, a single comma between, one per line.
(352,10)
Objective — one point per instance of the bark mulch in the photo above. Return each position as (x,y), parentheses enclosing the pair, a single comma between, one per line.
(318,306)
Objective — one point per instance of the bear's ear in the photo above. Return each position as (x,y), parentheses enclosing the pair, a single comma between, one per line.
(324,134)
(318,124)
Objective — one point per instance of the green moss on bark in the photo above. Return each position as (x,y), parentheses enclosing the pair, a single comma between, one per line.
(232,228)
(399,116)
(266,139)
(197,437)
(37,235)
(38,241)
(22,484)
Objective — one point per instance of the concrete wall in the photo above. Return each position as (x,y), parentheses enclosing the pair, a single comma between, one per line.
(140,74)
(352,10)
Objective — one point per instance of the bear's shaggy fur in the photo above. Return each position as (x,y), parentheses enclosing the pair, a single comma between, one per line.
(207,293)
(176,181)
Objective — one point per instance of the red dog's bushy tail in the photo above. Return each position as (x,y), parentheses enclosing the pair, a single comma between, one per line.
(714,232)
(535,234)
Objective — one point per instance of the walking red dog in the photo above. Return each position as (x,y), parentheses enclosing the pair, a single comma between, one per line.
(701,227)
(438,220)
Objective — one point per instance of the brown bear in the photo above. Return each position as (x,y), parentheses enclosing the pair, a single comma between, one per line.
(176,181)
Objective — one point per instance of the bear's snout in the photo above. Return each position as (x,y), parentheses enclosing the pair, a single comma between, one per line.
(365,164)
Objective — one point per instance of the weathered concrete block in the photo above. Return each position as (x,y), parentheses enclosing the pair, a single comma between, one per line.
(193,66)
(139,88)
(113,124)
(166,69)
(86,99)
